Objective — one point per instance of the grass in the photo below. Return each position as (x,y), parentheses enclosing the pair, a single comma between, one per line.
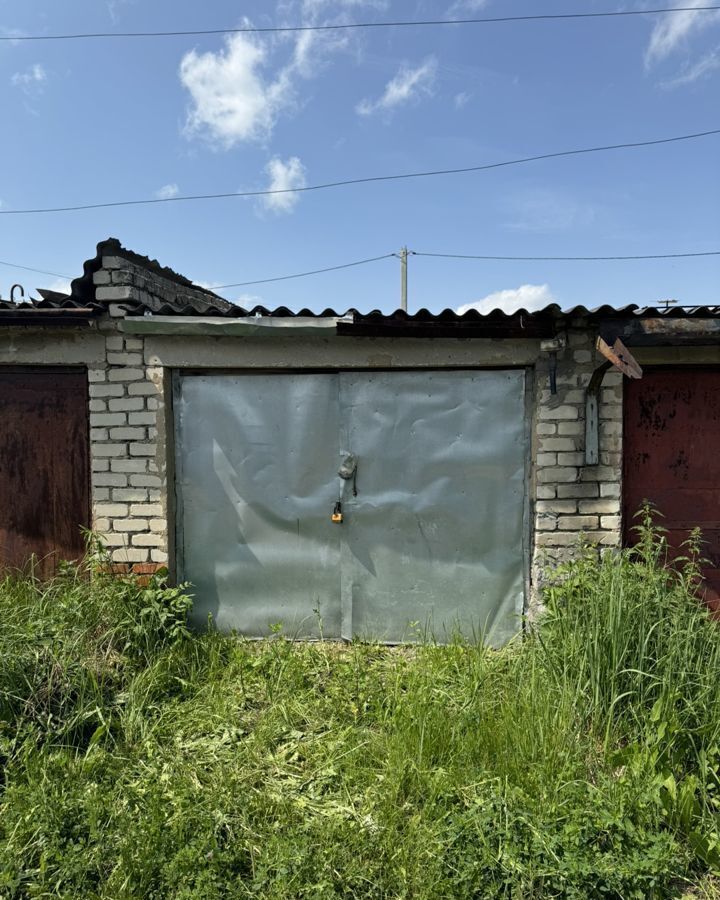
(140,761)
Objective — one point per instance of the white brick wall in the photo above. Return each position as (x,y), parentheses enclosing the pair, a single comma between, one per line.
(571,498)
(128,492)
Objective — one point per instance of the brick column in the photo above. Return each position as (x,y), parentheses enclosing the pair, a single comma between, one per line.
(128,489)
(572,499)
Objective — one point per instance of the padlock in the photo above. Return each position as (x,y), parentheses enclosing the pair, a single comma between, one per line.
(337,515)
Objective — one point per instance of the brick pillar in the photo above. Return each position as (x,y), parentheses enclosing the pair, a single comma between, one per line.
(572,499)
(128,488)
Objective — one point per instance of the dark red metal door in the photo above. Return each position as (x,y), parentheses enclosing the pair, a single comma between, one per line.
(672,457)
(44,466)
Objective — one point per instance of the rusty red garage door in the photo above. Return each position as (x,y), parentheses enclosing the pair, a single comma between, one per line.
(44,465)
(672,457)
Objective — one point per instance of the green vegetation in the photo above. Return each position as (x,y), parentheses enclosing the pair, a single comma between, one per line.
(139,761)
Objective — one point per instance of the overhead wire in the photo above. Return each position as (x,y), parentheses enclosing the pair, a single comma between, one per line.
(649,256)
(372,259)
(569,258)
(30,269)
(359,262)
(340,26)
(367,180)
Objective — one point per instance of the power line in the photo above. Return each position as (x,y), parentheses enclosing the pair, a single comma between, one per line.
(30,269)
(568,258)
(360,262)
(372,259)
(282,29)
(353,181)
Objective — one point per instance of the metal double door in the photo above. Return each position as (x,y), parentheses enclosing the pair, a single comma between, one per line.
(433,535)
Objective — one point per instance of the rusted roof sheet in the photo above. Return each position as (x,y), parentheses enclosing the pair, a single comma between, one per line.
(52,308)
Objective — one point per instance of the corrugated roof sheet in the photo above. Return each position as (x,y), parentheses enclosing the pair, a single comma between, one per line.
(522,322)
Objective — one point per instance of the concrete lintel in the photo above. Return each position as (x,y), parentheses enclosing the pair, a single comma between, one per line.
(20,347)
(291,352)
(678,356)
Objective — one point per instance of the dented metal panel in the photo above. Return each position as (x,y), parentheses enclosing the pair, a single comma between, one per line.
(44,466)
(255,460)
(671,438)
(435,534)
(422,472)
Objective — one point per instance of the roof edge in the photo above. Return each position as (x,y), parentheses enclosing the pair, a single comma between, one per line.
(83,287)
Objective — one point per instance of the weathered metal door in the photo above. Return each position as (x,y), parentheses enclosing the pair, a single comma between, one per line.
(255,460)
(433,531)
(671,457)
(44,466)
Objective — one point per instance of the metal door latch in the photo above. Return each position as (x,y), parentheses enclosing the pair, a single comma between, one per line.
(348,471)
(337,515)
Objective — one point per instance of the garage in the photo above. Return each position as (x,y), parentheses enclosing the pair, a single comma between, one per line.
(354,504)
(671,434)
(44,466)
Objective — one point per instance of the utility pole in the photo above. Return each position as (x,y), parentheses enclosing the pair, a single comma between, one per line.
(403,278)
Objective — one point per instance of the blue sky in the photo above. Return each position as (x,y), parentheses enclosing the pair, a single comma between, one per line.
(97,121)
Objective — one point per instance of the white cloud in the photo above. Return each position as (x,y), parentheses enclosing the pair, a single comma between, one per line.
(407,86)
(248,301)
(530,297)
(284,176)
(694,71)
(31,80)
(238,93)
(167,191)
(461,99)
(672,31)
(232,101)
(61,285)
(466,7)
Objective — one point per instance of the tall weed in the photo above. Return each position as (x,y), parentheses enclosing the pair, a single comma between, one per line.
(143,762)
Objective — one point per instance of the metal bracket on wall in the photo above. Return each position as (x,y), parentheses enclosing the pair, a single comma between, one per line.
(552,347)
(592,415)
(619,356)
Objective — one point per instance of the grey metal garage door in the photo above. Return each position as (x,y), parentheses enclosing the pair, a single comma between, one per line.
(433,537)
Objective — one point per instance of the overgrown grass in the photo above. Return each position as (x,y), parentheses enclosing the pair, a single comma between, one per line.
(139,761)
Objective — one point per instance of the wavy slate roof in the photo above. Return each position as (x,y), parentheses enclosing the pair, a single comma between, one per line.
(182,297)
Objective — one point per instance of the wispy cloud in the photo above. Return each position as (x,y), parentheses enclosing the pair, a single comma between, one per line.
(673,31)
(32,80)
(462,99)
(167,191)
(61,285)
(248,301)
(114,7)
(11,33)
(466,7)
(284,176)
(531,297)
(546,210)
(696,70)
(406,87)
